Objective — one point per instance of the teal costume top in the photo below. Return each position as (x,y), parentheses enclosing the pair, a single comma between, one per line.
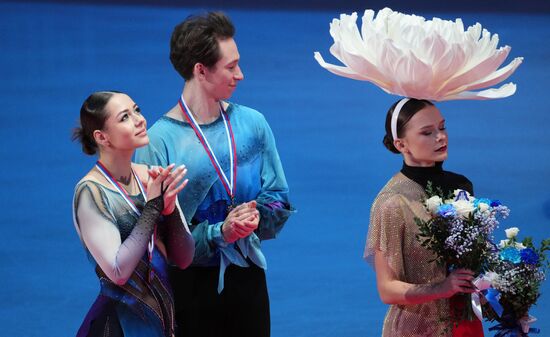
(139,307)
(204,200)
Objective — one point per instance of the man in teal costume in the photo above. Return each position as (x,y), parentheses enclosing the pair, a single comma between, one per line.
(237,193)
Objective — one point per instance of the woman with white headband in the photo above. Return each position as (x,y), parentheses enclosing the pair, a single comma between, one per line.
(417,289)
(430,60)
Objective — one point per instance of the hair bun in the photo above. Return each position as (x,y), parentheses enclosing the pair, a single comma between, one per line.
(88,145)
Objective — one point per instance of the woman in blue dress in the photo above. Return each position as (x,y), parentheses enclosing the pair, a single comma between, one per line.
(130,232)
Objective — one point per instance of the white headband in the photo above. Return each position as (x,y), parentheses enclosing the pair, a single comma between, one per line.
(395,115)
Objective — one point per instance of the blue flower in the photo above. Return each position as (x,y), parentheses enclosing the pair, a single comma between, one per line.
(482,200)
(446,210)
(510,254)
(495,203)
(529,256)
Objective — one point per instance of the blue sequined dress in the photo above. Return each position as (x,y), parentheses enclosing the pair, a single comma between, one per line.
(139,307)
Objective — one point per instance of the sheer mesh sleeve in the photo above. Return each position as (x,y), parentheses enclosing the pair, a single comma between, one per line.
(386,232)
(96,227)
(178,239)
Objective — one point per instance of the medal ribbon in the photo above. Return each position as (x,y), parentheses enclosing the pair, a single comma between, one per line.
(103,170)
(228,184)
(119,188)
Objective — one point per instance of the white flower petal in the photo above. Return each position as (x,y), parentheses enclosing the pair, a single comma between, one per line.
(347,72)
(506,90)
(511,232)
(414,75)
(411,56)
(497,76)
(363,66)
(478,72)
(338,70)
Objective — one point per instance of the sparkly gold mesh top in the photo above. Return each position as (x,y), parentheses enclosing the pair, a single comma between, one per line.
(392,230)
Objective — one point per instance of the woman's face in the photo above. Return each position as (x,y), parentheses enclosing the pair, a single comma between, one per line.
(425,140)
(125,127)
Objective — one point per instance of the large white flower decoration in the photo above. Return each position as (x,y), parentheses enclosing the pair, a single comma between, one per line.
(409,56)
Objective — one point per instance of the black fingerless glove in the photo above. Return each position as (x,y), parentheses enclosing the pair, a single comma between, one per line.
(149,216)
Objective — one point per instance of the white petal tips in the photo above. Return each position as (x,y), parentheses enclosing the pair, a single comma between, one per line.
(410,56)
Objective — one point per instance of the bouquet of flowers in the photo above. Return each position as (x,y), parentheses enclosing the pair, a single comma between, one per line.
(459,233)
(517,270)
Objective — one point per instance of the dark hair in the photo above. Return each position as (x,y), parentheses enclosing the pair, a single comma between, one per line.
(408,110)
(195,40)
(92,117)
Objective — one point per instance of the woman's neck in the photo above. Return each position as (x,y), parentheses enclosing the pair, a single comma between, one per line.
(119,165)
(204,108)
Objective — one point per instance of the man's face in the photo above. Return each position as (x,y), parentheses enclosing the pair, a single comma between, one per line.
(223,77)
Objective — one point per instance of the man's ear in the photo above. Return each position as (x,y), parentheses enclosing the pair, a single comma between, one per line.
(199,71)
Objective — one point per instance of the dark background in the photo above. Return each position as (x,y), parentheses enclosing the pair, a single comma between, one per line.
(492,6)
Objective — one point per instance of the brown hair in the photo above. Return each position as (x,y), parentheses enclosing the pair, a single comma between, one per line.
(92,117)
(195,40)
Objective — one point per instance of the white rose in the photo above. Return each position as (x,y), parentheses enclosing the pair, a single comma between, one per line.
(511,232)
(433,203)
(503,243)
(483,207)
(463,207)
(520,245)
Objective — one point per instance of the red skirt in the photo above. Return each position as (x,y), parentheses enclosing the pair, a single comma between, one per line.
(465,328)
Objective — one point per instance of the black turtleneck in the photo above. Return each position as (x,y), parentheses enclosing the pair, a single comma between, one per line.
(447,181)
